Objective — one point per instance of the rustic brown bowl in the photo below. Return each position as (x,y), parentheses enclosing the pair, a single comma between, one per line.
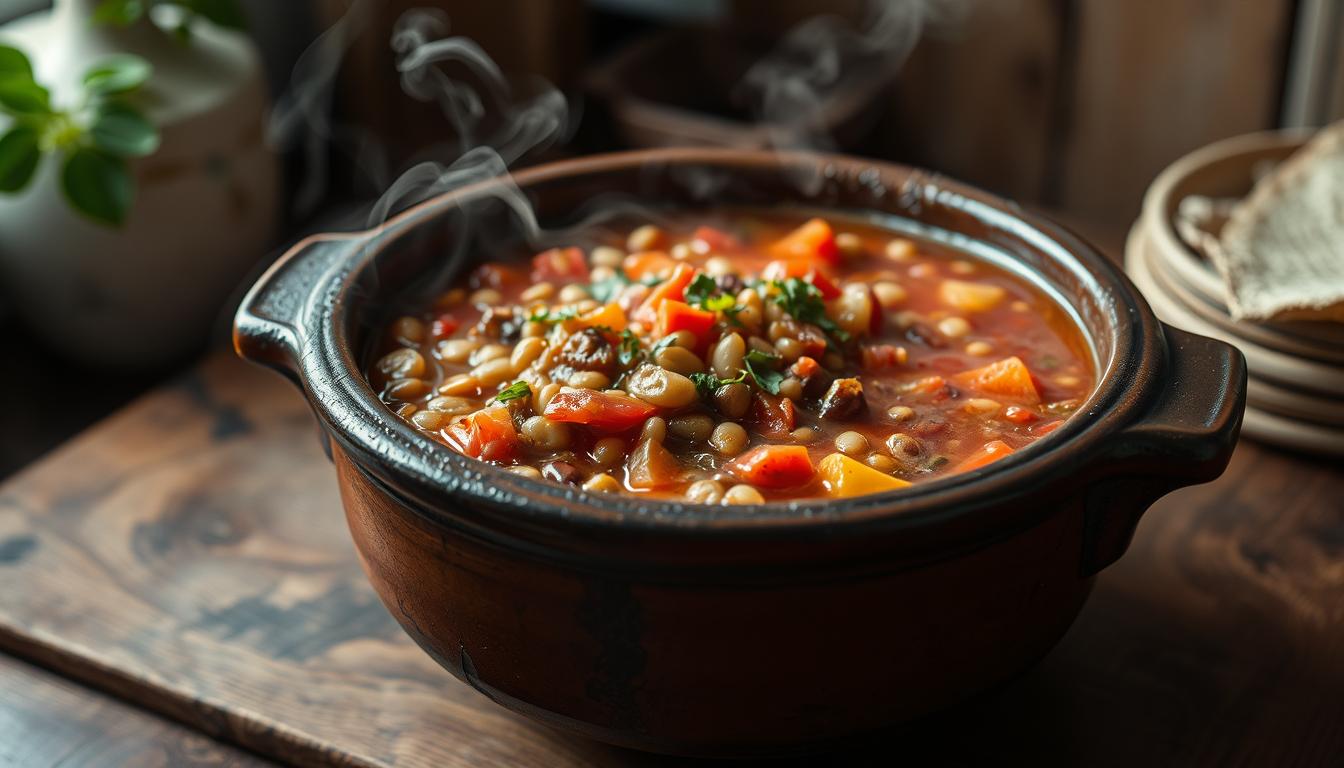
(726,631)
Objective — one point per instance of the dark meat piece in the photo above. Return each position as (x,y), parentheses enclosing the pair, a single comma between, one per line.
(920,333)
(844,400)
(498,323)
(729,284)
(588,350)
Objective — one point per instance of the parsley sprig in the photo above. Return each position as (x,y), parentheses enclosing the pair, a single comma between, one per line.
(704,292)
(803,301)
(706,383)
(514,391)
(761,366)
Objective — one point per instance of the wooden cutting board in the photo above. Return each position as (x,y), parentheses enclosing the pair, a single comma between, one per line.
(189,554)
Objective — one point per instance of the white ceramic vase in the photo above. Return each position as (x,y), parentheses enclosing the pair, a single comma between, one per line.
(205,208)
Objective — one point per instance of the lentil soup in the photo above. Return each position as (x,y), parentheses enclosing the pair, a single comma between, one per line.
(738,358)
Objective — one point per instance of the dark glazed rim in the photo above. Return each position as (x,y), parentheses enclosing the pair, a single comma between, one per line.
(422,470)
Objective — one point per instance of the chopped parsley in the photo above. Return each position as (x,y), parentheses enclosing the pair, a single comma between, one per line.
(606,290)
(547,316)
(514,391)
(631,349)
(761,367)
(706,383)
(704,292)
(803,301)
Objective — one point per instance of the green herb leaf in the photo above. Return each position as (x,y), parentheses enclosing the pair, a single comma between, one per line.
(19,155)
(24,98)
(514,391)
(803,301)
(605,291)
(121,130)
(630,349)
(707,383)
(761,367)
(700,289)
(14,64)
(225,13)
(98,185)
(117,74)
(547,316)
(120,13)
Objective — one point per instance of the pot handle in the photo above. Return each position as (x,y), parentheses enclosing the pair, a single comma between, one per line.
(269,325)
(1185,438)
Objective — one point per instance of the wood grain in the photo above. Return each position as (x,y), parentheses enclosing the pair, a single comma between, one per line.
(189,555)
(1151,80)
(46,720)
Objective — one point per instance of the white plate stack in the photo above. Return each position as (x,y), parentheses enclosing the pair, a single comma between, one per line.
(1295,397)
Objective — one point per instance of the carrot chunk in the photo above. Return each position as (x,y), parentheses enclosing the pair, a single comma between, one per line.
(813,240)
(783,269)
(843,477)
(773,466)
(638,266)
(560,265)
(676,316)
(988,453)
(606,316)
(674,287)
(1007,378)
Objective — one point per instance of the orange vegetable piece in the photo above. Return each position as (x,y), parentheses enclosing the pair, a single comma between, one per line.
(676,316)
(988,454)
(598,410)
(486,434)
(716,240)
(638,266)
(805,367)
(560,265)
(608,315)
(652,466)
(774,466)
(1008,378)
(783,269)
(813,240)
(674,287)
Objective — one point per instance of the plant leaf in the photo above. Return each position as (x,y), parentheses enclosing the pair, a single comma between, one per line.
(14,64)
(98,185)
(760,366)
(121,130)
(19,155)
(225,13)
(120,13)
(117,74)
(24,98)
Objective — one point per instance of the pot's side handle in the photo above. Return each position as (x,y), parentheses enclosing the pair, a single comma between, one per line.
(269,325)
(1185,438)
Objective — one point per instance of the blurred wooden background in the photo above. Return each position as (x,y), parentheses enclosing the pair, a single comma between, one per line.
(1071,104)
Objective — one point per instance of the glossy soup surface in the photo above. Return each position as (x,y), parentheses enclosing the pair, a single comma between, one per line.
(737,358)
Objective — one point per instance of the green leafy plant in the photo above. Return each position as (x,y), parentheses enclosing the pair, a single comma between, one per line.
(121,13)
(93,140)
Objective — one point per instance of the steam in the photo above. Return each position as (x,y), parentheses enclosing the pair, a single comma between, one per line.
(823,56)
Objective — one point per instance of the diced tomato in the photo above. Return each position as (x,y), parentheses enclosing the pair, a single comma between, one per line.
(1008,378)
(674,287)
(805,367)
(926,386)
(443,326)
(1020,415)
(813,240)
(878,356)
(774,416)
(676,316)
(1045,429)
(773,466)
(989,453)
(561,266)
(598,410)
(606,316)
(716,240)
(783,269)
(486,434)
(638,266)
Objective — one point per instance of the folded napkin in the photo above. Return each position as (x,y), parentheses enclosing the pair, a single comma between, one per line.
(1281,252)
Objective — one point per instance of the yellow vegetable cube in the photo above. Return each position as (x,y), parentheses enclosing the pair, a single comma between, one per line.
(842,477)
(970,297)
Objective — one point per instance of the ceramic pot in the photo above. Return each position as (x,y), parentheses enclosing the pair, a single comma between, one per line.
(205,208)
(715,630)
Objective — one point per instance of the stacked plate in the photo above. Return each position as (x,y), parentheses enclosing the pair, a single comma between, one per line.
(1295,397)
